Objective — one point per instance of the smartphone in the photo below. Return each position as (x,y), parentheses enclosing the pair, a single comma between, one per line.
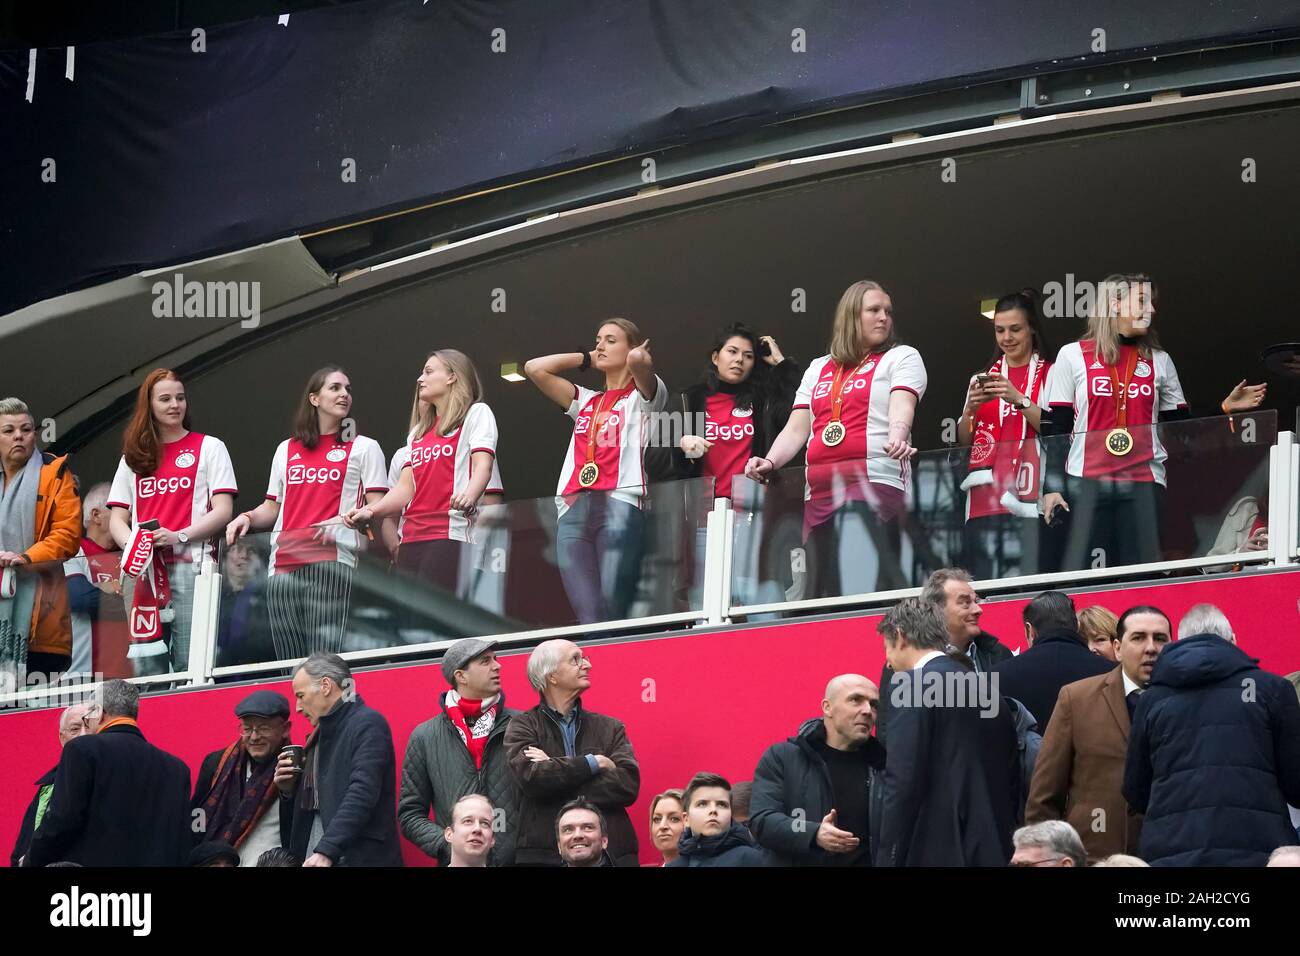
(983,378)
(150,525)
(763,349)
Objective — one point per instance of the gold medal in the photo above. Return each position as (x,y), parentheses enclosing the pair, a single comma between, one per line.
(1119,442)
(832,434)
(589,474)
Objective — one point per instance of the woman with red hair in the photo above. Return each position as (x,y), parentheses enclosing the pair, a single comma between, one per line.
(177,487)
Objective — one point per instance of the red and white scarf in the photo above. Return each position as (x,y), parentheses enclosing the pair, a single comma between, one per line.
(461,710)
(987,435)
(153,590)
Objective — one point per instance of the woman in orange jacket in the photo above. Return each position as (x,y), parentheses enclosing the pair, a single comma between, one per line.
(40,528)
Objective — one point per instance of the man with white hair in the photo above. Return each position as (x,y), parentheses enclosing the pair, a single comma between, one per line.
(1205,619)
(99,631)
(560,751)
(73,722)
(1050,843)
(1284,856)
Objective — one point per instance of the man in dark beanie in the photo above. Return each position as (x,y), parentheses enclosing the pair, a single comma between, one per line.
(236,800)
(461,751)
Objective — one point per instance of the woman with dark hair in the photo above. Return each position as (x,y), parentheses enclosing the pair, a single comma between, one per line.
(323,470)
(1108,391)
(853,412)
(742,404)
(446,472)
(180,486)
(603,479)
(1000,424)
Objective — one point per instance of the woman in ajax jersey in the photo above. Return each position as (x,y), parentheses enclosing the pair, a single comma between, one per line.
(742,404)
(1000,423)
(603,478)
(1108,391)
(316,475)
(182,484)
(446,472)
(853,413)
(482,578)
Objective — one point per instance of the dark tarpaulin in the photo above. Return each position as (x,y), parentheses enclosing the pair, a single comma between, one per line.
(165,155)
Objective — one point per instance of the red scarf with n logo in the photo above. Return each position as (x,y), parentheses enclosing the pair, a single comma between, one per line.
(473,721)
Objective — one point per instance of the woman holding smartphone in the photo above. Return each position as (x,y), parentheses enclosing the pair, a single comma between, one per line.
(316,474)
(180,486)
(603,478)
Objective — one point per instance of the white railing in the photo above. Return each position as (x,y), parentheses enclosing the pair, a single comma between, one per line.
(716,608)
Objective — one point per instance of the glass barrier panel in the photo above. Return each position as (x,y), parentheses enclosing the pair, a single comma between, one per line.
(1173,491)
(523,565)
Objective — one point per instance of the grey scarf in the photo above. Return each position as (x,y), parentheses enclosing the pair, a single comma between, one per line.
(18,507)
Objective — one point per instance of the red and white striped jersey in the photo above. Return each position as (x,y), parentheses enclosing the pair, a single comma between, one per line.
(440,466)
(403,455)
(190,471)
(864,412)
(316,484)
(1079,379)
(620,438)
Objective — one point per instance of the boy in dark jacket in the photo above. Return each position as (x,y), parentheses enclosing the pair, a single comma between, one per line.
(711,837)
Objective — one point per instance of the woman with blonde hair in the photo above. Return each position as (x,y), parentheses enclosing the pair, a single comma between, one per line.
(453,443)
(1108,391)
(853,415)
(603,479)
(667,820)
(319,472)
(1097,626)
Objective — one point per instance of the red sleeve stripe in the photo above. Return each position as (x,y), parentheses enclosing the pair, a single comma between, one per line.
(797,407)
(490,451)
(1062,404)
(116,504)
(272,498)
(494,491)
(225,491)
(906,388)
(380,488)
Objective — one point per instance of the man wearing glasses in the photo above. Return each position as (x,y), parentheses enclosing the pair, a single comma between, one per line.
(73,722)
(1050,843)
(236,800)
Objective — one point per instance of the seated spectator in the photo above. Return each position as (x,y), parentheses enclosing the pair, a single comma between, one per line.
(279,857)
(952,769)
(1097,627)
(1214,756)
(461,751)
(73,722)
(40,525)
(214,853)
(667,820)
(817,797)
(240,805)
(740,796)
(1051,843)
(1284,856)
(1080,768)
(560,752)
(1057,656)
(580,836)
(469,832)
(1121,859)
(711,837)
(345,809)
(244,622)
(100,638)
(950,592)
(118,800)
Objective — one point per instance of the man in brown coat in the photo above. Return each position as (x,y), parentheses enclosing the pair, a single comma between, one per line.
(558,751)
(1080,767)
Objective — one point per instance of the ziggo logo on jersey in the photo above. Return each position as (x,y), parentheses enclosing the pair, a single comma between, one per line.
(584,422)
(304,475)
(148,487)
(1102,388)
(422,456)
(715,432)
(823,388)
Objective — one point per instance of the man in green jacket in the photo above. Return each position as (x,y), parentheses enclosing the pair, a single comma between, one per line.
(461,751)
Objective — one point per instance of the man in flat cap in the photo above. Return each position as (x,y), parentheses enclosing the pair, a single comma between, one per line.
(236,801)
(461,751)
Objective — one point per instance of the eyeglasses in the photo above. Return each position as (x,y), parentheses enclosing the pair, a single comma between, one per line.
(262,729)
(1050,861)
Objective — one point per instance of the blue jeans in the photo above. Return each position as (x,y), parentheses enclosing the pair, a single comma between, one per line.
(599,544)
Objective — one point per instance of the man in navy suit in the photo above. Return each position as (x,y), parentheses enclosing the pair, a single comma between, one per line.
(951,768)
(118,800)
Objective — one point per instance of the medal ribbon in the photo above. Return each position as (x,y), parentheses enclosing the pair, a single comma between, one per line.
(837,392)
(595,427)
(1121,397)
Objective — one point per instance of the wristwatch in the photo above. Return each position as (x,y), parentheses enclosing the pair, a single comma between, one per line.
(1025,401)
(182,537)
